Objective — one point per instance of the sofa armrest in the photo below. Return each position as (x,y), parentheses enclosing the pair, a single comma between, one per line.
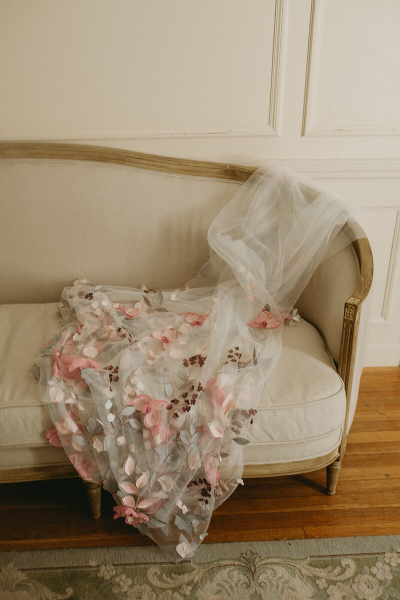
(323,300)
(355,331)
(336,301)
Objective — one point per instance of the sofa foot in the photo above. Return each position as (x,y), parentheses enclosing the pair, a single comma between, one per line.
(93,492)
(332,476)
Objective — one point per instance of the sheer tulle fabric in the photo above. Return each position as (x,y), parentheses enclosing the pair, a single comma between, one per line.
(152,393)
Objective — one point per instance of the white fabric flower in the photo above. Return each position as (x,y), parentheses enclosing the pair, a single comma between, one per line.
(97,445)
(194,461)
(182,506)
(184,549)
(56,394)
(90,351)
(80,282)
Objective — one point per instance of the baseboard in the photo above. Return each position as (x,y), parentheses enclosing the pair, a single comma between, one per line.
(383,355)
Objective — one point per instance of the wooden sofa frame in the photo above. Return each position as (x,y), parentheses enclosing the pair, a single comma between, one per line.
(352,307)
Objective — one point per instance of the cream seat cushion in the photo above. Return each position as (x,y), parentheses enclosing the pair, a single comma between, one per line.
(300,416)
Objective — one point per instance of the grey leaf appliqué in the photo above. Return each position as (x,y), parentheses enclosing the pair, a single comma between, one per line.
(241,441)
(129,410)
(185,437)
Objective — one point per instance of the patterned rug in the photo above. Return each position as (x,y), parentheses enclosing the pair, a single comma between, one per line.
(366,568)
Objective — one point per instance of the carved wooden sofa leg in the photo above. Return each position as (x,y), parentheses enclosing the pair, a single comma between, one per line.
(93,492)
(332,476)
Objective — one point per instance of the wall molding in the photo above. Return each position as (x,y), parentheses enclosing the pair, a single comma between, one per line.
(278,60)
(385,319)
(391,279)
(313,62)
(353,130)
(309,127)
(130,133)
(381,204)
(345,168)
(270,128)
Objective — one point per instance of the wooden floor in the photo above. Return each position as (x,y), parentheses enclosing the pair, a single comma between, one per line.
(55,515)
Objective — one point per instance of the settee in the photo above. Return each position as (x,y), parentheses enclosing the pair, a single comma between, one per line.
(125,218)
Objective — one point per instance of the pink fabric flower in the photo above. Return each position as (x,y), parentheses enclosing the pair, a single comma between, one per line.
(221,401)
(166,337)
(163,432)
(67,425)
(194,319)
(266,320)
(53,438)
(86,468)
(150,505)
(131,516)
(212,475)
(69,366)
(150,408)
(129,313)
(68,428)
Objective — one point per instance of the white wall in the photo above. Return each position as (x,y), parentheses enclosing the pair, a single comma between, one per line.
(312,83)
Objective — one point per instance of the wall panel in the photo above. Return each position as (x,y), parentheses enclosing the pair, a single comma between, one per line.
(353,84)
(140,69)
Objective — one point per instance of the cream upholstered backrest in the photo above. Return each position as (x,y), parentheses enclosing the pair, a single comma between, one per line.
(62,219)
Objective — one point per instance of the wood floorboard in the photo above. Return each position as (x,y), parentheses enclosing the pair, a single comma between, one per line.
(304,518)
(379,415)
(373,448)
(54,514)
(356,530)
(377,425)
(374,436)
(375,403)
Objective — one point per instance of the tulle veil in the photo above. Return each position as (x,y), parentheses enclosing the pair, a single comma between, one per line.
(153,392)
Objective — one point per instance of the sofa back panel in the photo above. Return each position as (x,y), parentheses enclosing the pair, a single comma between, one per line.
(62,220)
